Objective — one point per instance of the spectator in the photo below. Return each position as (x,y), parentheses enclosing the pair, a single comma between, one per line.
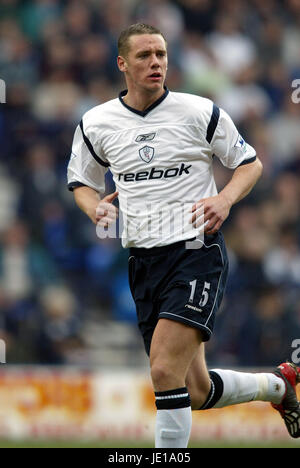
(283,128)
(232,50)
(58,334)
(282,263)
(245,100)
(266,335)
(24,266)
(200,71)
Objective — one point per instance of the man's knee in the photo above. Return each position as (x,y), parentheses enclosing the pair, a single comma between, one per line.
(164,377)
(173,348)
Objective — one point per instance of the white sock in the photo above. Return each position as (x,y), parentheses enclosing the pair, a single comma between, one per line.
(173,419)
(173,428)
(242,387)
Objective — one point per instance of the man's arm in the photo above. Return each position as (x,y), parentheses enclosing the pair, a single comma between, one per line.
(216,209)
(243,180)
(101,212)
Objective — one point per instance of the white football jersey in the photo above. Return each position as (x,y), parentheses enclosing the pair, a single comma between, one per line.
(160,159)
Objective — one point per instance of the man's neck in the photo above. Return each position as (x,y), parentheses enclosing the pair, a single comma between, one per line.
(142,101)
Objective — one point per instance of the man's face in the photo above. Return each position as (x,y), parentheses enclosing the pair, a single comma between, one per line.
(145,65)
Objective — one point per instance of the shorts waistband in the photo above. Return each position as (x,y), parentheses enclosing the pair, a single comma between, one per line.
(143,252)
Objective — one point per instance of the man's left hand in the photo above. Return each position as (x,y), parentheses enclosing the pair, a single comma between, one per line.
(211,212)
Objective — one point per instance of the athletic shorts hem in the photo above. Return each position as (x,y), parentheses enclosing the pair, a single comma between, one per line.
(178,318)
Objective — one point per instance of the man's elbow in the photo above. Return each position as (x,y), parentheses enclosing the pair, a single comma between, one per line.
(260,168)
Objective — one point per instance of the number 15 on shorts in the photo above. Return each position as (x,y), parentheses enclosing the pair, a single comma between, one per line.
(204,295)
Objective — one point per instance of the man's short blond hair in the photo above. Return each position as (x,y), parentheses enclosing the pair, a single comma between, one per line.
(135,29)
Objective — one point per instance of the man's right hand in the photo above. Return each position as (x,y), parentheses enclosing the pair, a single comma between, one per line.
(106,212)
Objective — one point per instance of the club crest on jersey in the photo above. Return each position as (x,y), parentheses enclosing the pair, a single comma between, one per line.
(146,153)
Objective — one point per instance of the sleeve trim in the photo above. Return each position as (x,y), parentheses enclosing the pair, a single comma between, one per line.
(73,185)
(213,123)
(247,161)
(91,149)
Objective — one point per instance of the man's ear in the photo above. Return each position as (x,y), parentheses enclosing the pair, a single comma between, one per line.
(122,64)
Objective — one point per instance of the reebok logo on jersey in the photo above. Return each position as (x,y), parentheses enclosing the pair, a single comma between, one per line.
(156,174)
(145,137)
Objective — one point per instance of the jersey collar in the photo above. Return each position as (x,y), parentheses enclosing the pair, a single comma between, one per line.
(150,108)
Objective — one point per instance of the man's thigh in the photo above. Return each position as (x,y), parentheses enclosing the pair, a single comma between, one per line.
(184,286)
(196,288)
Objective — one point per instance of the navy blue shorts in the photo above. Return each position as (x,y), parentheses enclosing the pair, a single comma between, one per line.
(185,285)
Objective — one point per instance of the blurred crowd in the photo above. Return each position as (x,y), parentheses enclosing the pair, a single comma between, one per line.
(62,291)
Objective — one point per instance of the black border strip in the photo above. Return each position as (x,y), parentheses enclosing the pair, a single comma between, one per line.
(247,161)
(213,123)
(91,149)
(73,185)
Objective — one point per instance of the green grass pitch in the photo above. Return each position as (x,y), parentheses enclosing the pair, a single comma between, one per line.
(130,444)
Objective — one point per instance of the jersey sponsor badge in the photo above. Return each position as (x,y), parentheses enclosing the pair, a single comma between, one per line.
(240,143)
(146,153)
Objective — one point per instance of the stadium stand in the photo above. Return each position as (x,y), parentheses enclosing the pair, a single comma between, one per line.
(58,282)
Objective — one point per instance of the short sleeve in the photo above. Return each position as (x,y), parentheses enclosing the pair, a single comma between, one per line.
(85,166)
(226,142)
